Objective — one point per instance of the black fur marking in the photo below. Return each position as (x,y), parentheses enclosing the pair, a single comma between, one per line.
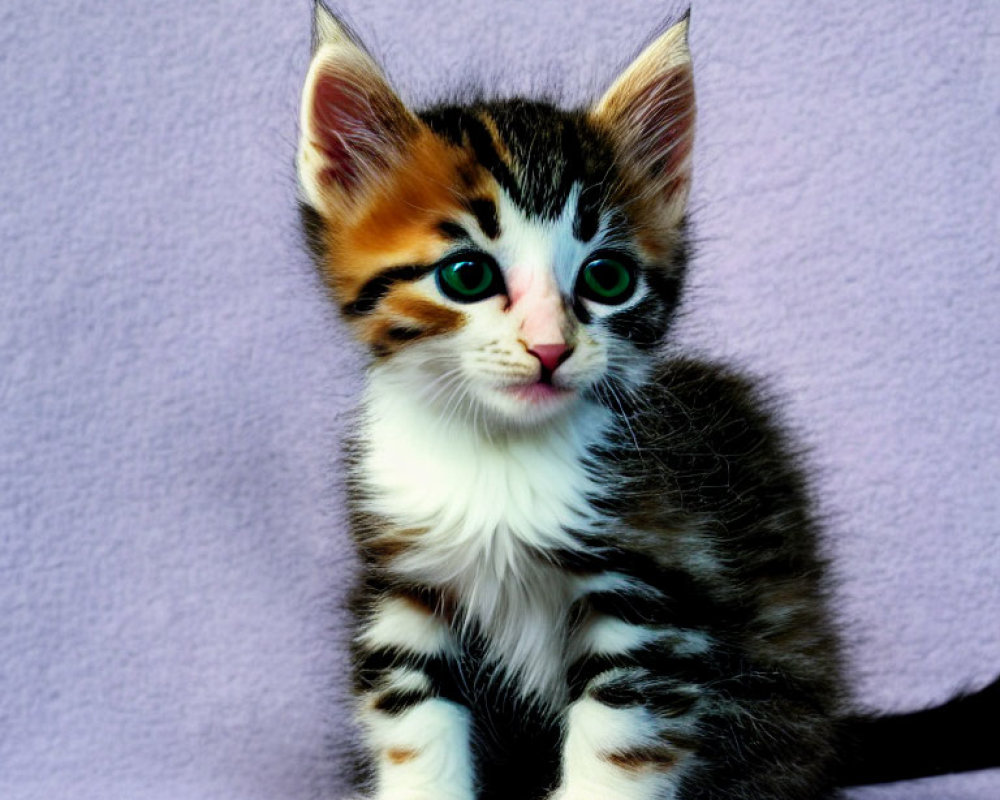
(481,141)
(373,664)
(485,211)
(515,745)
(551,150)
(680,600)
(453,232)
(462,127)
(581,311)
(646,323)
(618,695)
(588,213)
(656,692)
(573,170)
(399,700)
(634,608)
(376,288)
(643,324)
(673,703)
(699,669)
(404,334)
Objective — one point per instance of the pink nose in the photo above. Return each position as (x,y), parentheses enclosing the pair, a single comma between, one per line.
(551,355)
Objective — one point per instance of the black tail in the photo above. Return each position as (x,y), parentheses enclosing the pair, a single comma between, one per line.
(960,736)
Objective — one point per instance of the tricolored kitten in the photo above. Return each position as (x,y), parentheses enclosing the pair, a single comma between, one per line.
(590,569)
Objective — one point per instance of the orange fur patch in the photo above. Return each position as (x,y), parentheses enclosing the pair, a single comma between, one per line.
(399,755)
(404,316)
(394,221)
(658,759)
(433,317)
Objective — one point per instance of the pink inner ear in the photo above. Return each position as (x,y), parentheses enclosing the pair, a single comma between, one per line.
(350,123)
(663,114)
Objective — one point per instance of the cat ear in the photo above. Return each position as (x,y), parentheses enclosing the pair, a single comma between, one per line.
(353,126)
(649,112)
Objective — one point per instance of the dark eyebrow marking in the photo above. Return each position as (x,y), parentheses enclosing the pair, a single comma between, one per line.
(453,231)
(485,212)
(378,287)
(588,216)
(485,150)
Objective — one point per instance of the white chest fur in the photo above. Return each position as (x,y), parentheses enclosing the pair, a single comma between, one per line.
(487,510)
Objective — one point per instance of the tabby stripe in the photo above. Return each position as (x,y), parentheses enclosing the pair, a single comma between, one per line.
(453,232)
(587,217)
(698,669)
(402,333)
(684,601)
(374,664)
(572,168)
(667,280)
(626,690)
(445,676)
(485,212)
(399,700)
(617,695)
(632,607)
(486,153)
(643,324)
(378,287)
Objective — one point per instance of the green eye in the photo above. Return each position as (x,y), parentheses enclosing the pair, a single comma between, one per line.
(469,279)
(606,280)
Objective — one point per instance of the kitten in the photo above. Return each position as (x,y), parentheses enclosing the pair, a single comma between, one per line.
(590,568)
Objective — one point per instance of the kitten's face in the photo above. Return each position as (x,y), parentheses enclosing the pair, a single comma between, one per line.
(503,261)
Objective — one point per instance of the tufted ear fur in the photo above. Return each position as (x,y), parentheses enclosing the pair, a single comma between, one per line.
(649,112)
(353,126)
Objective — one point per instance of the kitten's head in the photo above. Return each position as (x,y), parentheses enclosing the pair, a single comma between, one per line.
(500,259)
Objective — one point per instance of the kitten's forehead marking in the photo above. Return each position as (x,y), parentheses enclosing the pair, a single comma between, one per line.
(485,212)
(534,151)
(534,252)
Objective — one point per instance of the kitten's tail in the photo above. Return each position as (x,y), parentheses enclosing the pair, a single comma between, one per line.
(960,736)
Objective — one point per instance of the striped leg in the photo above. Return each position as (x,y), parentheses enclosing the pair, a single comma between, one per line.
(630,730)
(418,741)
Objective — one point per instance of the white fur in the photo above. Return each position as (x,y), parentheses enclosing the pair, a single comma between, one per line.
(608,635)
(606,582)
(401,679)
(594,731)
(604,635)
(487,508)
(548,249)
(437,733)
(397,623)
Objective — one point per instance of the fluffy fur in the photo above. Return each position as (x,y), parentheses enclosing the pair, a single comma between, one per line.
(590,568)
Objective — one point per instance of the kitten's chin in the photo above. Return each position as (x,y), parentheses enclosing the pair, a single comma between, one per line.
(539,394)
(528,405)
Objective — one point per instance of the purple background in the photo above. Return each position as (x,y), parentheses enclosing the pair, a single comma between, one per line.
(173,385)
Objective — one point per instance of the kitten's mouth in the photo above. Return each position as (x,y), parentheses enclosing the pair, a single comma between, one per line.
(538,392)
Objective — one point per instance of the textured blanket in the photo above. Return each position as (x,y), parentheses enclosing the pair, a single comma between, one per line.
(173,384)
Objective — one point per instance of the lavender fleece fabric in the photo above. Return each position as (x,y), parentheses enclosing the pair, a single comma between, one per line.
(173,384)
